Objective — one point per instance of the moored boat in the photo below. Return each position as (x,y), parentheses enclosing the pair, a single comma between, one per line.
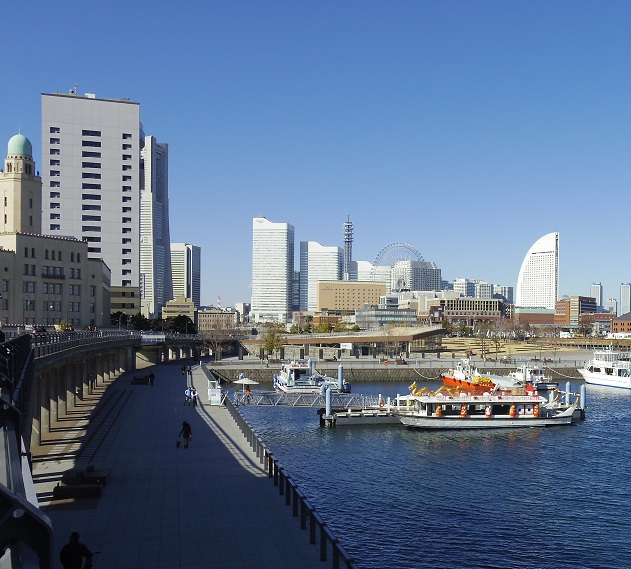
(300,377)
(609,368)
(456,409)
(535,376)
(465,376)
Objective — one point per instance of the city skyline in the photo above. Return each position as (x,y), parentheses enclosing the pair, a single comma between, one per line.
(466,130)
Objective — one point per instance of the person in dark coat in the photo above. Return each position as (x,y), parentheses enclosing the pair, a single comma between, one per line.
(72,554)
(186,433)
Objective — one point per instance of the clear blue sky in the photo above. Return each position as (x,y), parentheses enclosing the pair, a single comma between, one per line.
(468,129)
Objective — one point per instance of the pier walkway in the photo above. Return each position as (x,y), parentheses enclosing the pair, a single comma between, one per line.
(209,506)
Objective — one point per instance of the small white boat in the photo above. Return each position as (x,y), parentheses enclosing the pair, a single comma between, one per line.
(534,375)
(300,377)
(609,368)
(448,409)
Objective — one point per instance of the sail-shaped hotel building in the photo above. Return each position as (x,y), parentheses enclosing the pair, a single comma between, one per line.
(538,281)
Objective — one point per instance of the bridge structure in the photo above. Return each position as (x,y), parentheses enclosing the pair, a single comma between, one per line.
(42,377)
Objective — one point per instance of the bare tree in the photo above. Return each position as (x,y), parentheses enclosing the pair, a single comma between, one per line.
(219,338)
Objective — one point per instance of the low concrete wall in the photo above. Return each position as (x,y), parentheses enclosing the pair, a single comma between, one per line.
(362,374)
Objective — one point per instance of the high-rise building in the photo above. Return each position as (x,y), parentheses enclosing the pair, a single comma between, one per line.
(625,298)
(186,271)
(596,292)
(415,275)
(155,241)
(538,281)
(503,292)
(272,270)
(464,287)
(91,183)
(317,263)
(612,305)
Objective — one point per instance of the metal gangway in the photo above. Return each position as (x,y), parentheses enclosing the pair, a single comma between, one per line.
(275,398)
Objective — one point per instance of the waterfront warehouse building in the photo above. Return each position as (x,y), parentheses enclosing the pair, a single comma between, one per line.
(538,281)
(186,271)
(317,263)
(91,183)
(272,270)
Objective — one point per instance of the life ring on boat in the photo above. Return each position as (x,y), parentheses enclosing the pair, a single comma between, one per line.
(535,410)
(385,362)
(439,411)
(488,412)
(513,411)
(380,402)
(463,411)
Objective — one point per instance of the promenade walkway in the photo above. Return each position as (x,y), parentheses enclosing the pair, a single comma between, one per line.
(211,506)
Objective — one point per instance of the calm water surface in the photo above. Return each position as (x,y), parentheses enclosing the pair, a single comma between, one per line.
(544,498)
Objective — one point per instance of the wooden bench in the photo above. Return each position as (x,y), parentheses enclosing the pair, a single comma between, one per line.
(77,490)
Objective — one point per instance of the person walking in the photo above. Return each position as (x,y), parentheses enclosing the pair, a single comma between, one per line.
(72,554)
(186,433)
(194,396)
(187,396)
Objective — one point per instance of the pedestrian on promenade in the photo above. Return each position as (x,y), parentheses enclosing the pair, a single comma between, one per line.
(151,378)
(72,554)
(248,394)
(190,372)
(183,368)
(186,432)
(187,396)
(194,396)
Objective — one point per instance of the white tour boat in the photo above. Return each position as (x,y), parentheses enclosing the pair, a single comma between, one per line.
(453,409)
(608,367)
(300,377)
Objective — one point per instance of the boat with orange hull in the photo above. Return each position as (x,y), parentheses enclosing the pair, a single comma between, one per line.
(465,377)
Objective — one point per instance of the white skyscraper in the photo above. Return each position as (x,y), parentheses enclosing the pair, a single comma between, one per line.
(625,298)
(272,270)
(612,305)
(91,183)
(597,293)
(155,253)
(186,271)
(317,263)
(538,281)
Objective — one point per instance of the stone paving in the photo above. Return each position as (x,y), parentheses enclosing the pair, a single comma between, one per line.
(209,506)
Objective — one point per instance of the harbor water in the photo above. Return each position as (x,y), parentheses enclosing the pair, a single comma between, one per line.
(533,498)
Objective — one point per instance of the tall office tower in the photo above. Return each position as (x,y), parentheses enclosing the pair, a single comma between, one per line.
(503,292)
(415,275)
(597,293)
(272,270)
(625,298)
(155,240)
(317,263)
(91,183)
(21,188)
(348,249)
(186,271)
(538,281)
(612,305)
(295,295)
(360,271)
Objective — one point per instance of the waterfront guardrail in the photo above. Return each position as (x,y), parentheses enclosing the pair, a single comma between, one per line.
(320,535)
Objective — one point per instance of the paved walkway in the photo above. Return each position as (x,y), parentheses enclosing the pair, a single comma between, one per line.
(210,506)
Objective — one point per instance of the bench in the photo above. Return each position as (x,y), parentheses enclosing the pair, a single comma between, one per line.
(77,490)
(140,380)
(88,476)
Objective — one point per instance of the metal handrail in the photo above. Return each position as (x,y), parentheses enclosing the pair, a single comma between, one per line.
(328,544)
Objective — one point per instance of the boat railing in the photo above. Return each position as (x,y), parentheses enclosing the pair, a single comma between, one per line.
(320,535)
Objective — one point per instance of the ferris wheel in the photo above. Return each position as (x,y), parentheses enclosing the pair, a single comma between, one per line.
(388,257)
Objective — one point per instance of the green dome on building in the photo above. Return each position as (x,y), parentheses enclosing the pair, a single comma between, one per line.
(21,145)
